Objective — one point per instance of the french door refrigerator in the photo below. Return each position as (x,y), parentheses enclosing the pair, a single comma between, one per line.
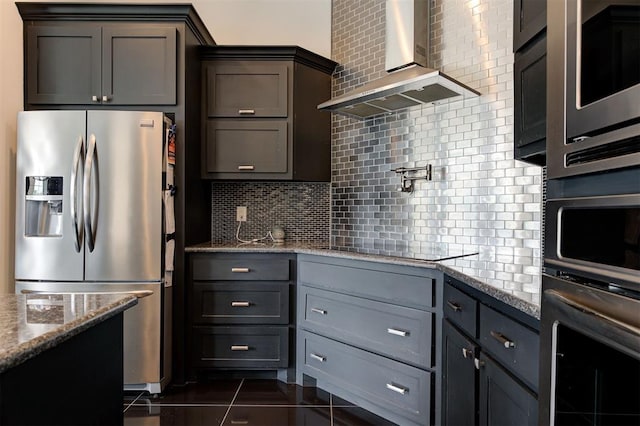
(91,217)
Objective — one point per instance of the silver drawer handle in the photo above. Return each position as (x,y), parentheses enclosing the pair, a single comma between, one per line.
(318,357)
(504,341)
(246,111)
(397,332)
(319,311)
(398,389)
(454,306)
(239,347)
(247,167)
(479,364)
(467,353)
(240,304)
(239,270)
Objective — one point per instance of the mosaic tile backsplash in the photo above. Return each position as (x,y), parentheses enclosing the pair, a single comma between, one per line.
(480,198)
(302,209)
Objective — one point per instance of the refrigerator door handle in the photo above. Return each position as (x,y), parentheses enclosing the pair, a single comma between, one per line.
(86,192)
(78,225)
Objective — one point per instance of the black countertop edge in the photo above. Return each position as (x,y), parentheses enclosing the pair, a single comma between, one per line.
(447,266)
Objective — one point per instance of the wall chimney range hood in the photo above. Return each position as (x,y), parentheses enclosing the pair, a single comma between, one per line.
(410,81)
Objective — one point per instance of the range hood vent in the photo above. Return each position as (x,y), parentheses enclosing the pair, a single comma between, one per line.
(410,81)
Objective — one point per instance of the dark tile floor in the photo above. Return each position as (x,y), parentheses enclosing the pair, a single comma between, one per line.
(244,402)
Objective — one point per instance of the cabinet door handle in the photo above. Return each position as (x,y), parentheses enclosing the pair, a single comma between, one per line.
(246,111)
(240,304)
(454,306)
(319,311)
(105,98)
(247,167)
(318,357)
(94,98)
(239,347)
(397,332)
(467,353)
(240,270)
(504,341)
(398,389)
(479,364)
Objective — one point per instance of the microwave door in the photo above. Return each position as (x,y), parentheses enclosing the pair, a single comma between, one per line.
(123,196)
(48,239)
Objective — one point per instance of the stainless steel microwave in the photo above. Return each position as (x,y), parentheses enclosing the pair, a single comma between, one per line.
(596,238)
(593,86)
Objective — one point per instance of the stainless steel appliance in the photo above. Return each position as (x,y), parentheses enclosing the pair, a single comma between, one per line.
(590,320)
(90,217)
(593,86)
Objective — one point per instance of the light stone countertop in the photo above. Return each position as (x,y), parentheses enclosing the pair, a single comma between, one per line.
(32,323)
(472,269)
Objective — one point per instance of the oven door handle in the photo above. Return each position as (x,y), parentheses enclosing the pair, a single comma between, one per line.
(559,297)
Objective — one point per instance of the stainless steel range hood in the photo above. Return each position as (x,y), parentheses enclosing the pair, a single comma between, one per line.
(410,82)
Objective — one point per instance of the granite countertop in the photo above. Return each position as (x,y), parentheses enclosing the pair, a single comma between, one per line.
(33,323)
(474,269)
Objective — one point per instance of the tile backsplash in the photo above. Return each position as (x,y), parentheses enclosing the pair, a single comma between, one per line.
(480,198)
(301,208)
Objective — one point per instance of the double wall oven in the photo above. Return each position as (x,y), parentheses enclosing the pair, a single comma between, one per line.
(590,322)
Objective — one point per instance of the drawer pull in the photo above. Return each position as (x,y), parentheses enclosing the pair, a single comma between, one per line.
(239,347)
(398,389)
(318,357)
(240,304)
(467,353)
(397,332)
(319,311)
(246,167)
(246,111)
(504,341)
(454,306)
(479,364)
(240,270)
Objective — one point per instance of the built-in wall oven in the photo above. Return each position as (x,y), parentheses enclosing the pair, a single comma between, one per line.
(590,321)
(593,86)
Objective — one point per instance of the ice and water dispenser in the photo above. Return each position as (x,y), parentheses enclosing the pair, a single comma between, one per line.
(43,206)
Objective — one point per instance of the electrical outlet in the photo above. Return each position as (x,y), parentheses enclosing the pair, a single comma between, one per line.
(241,213)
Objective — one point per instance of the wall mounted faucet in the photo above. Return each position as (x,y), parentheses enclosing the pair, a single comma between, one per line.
(410,174)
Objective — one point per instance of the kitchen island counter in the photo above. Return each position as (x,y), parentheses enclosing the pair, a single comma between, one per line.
(61,358)
(33,323)
(473,269)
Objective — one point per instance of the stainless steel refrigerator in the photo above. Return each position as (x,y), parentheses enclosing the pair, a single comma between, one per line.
(91,216)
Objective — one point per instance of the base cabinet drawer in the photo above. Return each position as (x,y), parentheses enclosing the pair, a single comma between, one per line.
(241,302)
(239,268)
(241,347)
(511,343)
(396,331)
(389,384)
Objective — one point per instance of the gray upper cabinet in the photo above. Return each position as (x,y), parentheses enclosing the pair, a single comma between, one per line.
(100,63)
(260,114)
(247,90)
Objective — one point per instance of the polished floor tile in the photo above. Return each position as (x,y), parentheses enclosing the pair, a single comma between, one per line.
(244,402)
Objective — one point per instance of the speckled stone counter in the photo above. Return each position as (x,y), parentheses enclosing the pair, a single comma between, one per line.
(31,324)
(473,269)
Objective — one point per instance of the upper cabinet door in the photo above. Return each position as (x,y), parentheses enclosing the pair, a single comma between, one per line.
(247,89)
(139,65)
(101,64)
(63,64)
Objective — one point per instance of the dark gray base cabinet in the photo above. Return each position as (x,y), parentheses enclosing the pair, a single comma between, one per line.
(260,120)
(489,364)
(239,305)
(101,64)
(367,332)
